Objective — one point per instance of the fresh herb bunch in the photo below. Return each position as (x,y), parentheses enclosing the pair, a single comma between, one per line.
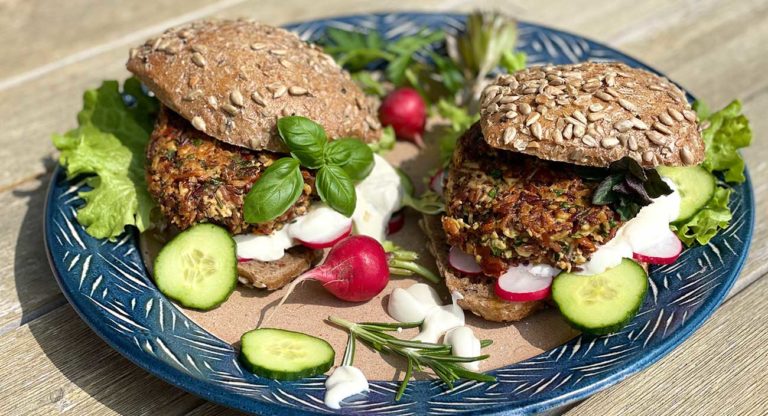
(403,263)
(418,354)
(627,186)
(358,51)
(339,164)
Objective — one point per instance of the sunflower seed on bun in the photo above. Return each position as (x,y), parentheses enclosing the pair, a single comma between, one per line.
(232,79)
(591,114)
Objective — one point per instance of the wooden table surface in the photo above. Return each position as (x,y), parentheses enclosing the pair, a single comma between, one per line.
(51,362)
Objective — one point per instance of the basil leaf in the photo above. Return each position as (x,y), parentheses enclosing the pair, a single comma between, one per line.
(304,138)
(336,189)
(278,188)
(352,155)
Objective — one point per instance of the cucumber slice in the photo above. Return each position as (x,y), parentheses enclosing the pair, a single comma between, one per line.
(285,355)
(601,303)
(695,185)
(198,267)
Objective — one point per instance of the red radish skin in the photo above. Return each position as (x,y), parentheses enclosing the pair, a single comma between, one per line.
(317,245)
(355,270)
(396,222)
(406,112)
(518,285)
(463,262)
(665,251)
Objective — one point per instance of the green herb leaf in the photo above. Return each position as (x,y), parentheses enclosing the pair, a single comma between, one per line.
(714,217)
(368,84)
(276,190)
(604,194)
(386,141)
(109,144)
(352,155)
(336,189)
(513,61)
(304,138)
(405,48)
(355,50)
(728,131)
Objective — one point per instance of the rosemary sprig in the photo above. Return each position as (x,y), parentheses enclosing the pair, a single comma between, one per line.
(417,354)
(403,263)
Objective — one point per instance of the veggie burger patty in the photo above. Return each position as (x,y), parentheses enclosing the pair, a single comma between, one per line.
(507,208)
(195,178)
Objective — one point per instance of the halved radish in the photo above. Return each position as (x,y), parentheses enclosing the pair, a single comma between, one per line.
(396,222)
(243,260)
(328,242)
(463,262)
(665,251)
(518,284)
(437,181)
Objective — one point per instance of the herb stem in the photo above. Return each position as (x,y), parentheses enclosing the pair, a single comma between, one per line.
(349,352)
(406,379)
(415,268)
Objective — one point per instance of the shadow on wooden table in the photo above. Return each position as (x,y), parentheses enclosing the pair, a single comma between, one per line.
(90,368)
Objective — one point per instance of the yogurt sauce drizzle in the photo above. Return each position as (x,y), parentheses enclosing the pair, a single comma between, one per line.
(637,234)
(420,302)
(344,382)
(379,195)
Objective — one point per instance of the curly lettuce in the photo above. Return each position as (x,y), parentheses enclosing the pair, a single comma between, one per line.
(728,131)
(108,147)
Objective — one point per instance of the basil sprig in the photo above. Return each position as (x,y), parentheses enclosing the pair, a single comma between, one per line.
(338,163)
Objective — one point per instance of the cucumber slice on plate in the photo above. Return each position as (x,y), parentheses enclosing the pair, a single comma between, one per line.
(601,303)
(695,185)
(285,355)
(198,267)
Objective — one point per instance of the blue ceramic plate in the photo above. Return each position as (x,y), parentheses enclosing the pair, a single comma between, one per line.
(108,286)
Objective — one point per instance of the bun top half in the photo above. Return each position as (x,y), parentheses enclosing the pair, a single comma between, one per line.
(591,114)
(233,79)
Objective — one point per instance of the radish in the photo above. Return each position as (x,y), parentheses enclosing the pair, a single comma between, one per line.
(326,242)
(396,222)
(463,262)
(520,284)
(406,112)
(665,251)
(437,181)
(356,269)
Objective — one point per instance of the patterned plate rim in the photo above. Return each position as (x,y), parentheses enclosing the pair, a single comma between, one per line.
(213,391)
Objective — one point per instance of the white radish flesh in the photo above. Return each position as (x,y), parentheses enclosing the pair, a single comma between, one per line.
(665,251)
(463,262)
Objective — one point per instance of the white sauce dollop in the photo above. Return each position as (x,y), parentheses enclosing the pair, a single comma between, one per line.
(464,343)
(420,302)
(344,382)
(379,195)
(440,320)
(412,304)
(637,234)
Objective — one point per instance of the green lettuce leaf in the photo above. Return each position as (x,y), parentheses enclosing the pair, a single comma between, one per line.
(728,131)
(386,141)
(108,145)
(706,223)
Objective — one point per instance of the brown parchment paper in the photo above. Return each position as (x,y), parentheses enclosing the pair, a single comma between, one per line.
(308,307)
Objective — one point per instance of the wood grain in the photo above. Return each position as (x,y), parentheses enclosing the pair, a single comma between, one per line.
(715,48)
(56,364)
(37,33)
(718,371)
